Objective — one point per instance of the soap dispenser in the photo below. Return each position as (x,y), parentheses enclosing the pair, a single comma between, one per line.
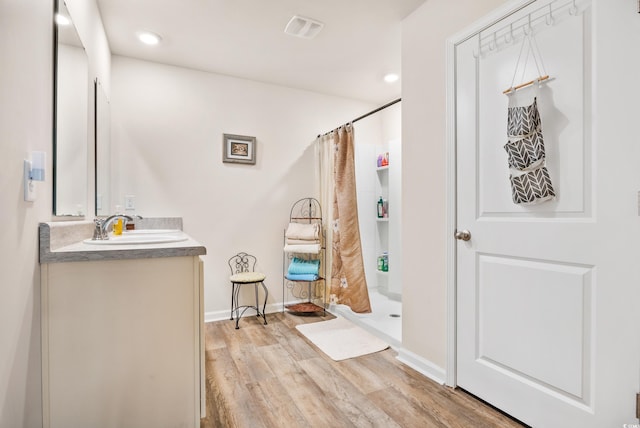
(117,225)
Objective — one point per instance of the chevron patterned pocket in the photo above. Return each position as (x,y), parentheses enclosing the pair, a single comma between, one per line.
(532,187)
(523,121)
(527,153)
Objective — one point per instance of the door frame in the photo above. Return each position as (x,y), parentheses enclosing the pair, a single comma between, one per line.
(502,12)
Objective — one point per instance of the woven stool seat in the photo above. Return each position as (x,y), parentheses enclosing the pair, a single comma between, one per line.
(247,277)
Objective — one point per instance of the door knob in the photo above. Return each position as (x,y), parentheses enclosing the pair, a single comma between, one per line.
(463,235)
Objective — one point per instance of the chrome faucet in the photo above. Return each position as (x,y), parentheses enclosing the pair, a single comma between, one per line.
(101,231)
(98,234)
(107,222)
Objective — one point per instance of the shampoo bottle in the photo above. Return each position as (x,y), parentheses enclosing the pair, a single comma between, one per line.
(380,207)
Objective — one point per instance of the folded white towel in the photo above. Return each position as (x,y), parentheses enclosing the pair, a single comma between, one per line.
(302,241)
(303,231)
(300,248)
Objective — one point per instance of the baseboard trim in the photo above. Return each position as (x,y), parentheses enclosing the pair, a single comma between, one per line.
(422,366)
(213,316)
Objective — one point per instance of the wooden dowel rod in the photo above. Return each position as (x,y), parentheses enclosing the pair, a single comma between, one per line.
(524,85)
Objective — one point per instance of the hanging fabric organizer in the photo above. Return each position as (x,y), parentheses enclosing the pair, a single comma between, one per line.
(529,177)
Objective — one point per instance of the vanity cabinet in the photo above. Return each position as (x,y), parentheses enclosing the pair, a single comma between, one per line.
(122,343)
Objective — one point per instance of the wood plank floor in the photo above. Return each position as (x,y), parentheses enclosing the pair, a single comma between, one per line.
(271,376)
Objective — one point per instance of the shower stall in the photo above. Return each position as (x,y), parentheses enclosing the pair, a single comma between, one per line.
(379,136)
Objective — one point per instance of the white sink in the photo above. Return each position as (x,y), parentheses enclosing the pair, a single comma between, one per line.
(151,232)
(143,236)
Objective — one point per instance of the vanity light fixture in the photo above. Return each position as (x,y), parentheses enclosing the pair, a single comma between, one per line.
(33,171)
(391,77)
(149,38)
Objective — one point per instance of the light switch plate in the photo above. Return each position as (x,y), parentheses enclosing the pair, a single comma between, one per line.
(129,202)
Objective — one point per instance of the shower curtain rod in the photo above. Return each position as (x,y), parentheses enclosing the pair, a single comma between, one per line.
(389,104)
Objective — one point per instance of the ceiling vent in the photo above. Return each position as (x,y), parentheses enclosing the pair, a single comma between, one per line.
(306,28)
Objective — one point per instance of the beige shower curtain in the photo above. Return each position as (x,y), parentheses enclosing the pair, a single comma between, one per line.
(338,192)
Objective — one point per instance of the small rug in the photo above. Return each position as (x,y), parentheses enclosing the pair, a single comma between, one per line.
(341,339)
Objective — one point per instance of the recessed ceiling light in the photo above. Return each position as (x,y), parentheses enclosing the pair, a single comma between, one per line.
(62,20)
(148,37)
(391,77)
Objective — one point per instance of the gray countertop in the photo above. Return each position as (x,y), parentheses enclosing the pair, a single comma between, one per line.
(63,242)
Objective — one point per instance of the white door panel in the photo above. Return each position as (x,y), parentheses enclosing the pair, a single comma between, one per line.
(546,313)
(547,295)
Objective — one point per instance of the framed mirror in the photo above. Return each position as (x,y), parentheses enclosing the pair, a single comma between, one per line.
(102,149)
(70,117)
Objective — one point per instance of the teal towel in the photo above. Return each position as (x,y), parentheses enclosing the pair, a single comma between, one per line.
(304,267)
(302,277)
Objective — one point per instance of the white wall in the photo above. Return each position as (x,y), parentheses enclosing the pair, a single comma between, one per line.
(25,125)
(167,126)
(86,17)
(424,34)
(26,76)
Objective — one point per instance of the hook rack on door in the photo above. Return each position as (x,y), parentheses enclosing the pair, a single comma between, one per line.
(523,26)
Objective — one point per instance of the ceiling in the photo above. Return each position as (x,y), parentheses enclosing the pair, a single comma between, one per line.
(359,44)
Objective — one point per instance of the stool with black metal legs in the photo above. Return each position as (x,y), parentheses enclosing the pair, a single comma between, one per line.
(243,272)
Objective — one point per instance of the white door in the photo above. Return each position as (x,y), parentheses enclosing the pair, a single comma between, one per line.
(548,295)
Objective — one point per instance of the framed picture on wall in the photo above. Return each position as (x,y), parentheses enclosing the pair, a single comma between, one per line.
(238,149)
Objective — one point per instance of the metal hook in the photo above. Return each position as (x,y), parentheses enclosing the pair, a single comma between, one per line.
(527,28)
(508,38)
(549,18)
(573,10)
(493,44)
